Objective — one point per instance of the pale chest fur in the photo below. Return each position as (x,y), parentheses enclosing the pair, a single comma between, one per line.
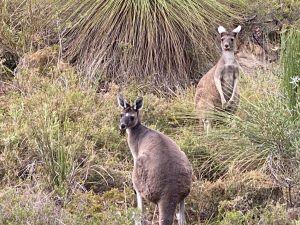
(228,72)
(228,58)
(229,66)
(133,144)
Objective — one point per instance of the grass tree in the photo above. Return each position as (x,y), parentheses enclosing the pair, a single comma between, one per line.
(158,42)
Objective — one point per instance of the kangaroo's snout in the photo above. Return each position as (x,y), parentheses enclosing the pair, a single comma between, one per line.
(228,42)
(122,126)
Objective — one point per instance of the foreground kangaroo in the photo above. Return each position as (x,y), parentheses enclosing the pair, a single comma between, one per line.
(218,88)
(162,173)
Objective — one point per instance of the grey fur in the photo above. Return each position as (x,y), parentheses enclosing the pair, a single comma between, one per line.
(162,173)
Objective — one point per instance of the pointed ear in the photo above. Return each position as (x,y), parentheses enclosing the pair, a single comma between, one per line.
(138,104)
(221,29)
(122,102)
(237,29)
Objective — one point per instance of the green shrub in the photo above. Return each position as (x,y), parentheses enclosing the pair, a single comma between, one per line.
(290,62)
(25,25)
(58,129)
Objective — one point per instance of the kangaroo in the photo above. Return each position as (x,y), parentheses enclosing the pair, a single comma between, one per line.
(162,173)
(218,88)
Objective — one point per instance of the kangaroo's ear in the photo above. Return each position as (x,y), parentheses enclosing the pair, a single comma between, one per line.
(237,29)
(138,104)
(221,29)
(122,102)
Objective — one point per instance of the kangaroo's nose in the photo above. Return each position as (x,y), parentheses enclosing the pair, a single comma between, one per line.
(122,126)
(226,45)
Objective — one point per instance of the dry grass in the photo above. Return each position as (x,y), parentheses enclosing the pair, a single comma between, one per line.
(25,25)
(61,137)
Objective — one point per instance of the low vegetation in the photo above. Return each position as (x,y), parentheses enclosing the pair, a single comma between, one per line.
(60,141)
(64,161)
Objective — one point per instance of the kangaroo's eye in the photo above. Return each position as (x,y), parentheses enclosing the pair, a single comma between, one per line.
(121,115)
(232,39)
(131,118)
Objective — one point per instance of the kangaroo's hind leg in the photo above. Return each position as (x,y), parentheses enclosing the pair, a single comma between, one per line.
(138,220)
(181,217)
(167,210)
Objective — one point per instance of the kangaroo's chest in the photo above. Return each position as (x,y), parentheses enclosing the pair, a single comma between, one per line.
(133,143)
(229,69)
(228,74)
(227,79)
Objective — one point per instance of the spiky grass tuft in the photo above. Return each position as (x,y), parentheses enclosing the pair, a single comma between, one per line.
(157,42)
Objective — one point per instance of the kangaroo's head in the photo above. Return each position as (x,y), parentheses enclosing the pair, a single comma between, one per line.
(228,39)
(130,114)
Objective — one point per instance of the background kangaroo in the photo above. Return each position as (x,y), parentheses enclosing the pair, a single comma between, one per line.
(218,88)
(162,173)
